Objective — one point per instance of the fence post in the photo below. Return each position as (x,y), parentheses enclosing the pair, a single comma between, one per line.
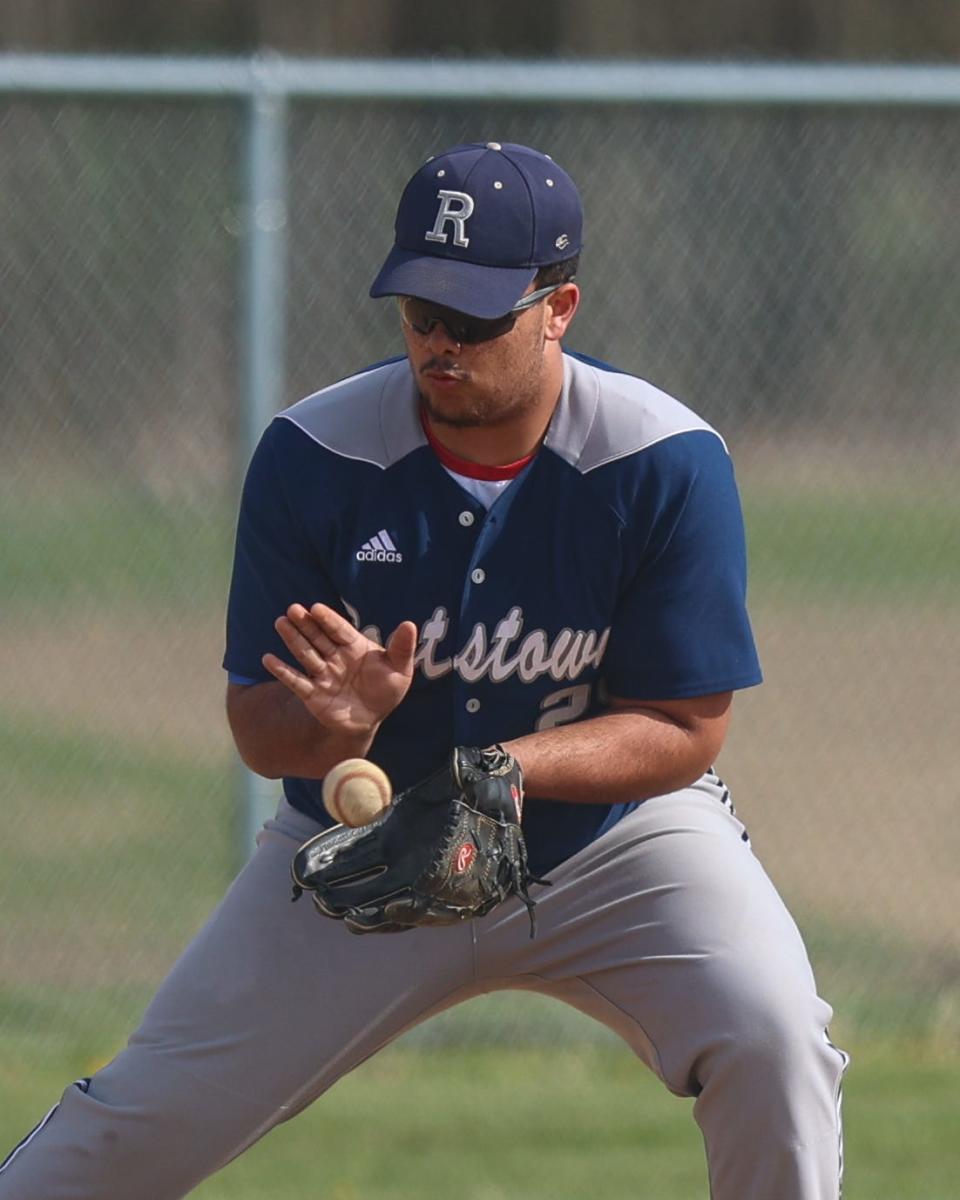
(263,341)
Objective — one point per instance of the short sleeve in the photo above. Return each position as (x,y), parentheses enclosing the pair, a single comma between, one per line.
(275,564)
(681,627)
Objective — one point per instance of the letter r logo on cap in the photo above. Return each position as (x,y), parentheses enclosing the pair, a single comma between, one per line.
(457,215)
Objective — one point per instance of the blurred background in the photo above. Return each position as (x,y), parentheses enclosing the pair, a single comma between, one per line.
(179,261)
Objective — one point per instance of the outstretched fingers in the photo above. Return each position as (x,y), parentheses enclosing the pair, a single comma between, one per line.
(313,631)
(301,685)
(312,648)
(330,623)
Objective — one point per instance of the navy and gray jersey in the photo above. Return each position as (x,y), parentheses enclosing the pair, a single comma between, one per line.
(612,565)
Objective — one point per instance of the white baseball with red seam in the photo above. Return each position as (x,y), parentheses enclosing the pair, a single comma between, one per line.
(356,791)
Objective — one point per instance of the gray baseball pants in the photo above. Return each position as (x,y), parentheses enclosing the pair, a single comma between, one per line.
(666,929)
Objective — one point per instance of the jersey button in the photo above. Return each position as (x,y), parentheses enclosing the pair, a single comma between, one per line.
(478,575)
(473,705)
(466,519)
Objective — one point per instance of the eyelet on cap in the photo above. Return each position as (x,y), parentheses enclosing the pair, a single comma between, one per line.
(498,185)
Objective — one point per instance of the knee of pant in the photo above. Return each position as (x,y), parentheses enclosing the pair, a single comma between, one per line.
(778,1039)
(759,1026)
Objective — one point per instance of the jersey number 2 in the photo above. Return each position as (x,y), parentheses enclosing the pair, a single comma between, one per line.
(560,708)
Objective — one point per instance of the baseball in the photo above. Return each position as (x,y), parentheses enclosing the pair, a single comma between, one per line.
(356,791)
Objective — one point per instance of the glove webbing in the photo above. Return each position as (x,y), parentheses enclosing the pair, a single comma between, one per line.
(521,882)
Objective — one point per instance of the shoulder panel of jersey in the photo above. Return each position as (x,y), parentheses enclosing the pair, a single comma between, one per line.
(370,417)
(606,414)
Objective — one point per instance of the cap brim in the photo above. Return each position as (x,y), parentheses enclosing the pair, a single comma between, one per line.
(470,288)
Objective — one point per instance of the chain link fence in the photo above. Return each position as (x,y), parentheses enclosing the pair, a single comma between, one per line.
(789,271)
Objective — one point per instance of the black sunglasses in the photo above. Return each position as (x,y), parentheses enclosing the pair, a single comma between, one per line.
(423,315)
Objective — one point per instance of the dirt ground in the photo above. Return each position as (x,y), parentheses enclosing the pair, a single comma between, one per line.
(839,763)
(139,678)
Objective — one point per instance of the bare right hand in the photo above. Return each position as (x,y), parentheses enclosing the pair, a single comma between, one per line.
(349,683)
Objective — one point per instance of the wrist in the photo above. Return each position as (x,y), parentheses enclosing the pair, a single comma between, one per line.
(347,742)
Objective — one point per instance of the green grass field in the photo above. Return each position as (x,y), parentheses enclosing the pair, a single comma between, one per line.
(558,1123)
(119,838)
(571,1111)
(865,548)
(579,1125)
(805,544)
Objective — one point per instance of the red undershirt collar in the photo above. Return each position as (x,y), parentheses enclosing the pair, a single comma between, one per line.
(472,470)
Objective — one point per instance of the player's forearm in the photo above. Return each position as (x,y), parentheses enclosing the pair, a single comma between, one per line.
(617,757)
(276,736)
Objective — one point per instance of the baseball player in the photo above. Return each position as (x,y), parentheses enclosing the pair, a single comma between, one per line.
(493,549)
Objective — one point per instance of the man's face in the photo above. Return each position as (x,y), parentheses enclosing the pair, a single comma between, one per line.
(482,384)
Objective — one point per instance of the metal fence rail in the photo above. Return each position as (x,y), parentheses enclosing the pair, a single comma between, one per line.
(573,82)
(185,246)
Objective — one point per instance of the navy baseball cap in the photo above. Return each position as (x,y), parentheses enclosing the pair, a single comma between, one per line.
(476,222)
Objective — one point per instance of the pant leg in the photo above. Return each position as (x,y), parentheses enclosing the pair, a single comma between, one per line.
(267,1007)
(668,931)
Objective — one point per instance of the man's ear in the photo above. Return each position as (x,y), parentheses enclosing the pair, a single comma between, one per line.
(561,306)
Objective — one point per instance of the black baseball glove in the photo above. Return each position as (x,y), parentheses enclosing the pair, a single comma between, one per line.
(445,850)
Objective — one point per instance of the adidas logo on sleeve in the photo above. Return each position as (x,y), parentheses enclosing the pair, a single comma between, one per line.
(379,549)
